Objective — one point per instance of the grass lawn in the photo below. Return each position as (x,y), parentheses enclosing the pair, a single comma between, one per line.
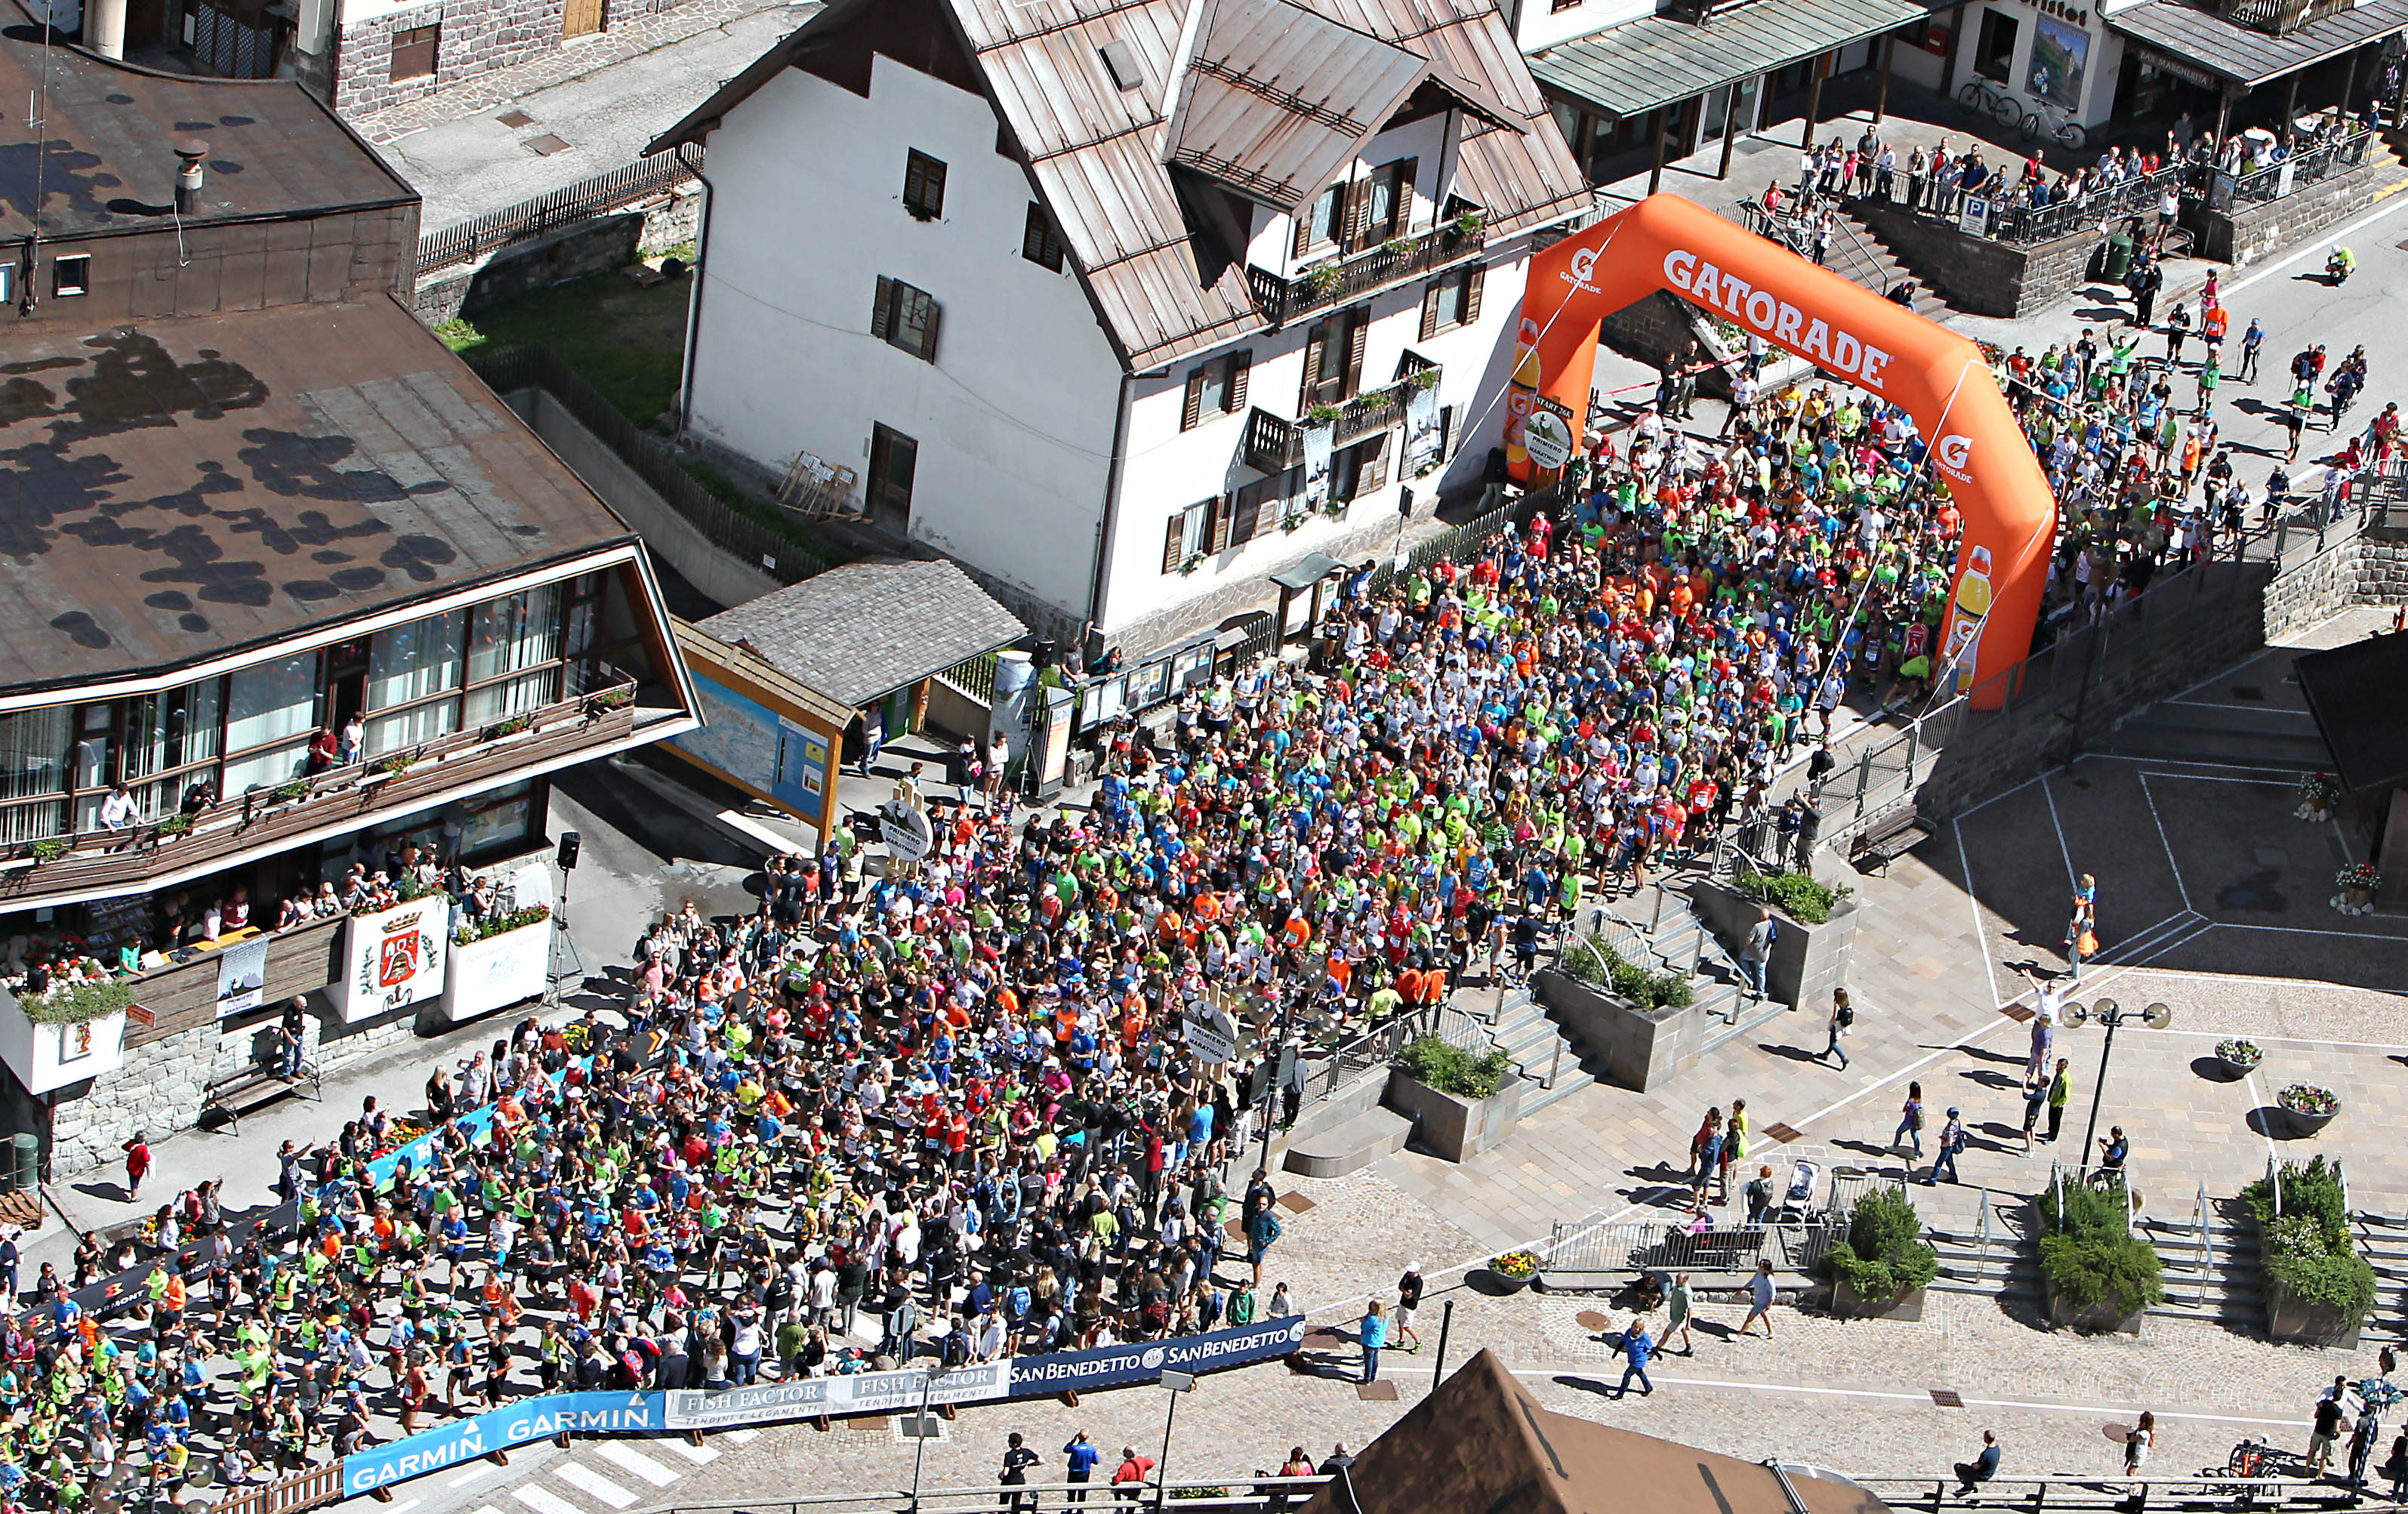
(627,342)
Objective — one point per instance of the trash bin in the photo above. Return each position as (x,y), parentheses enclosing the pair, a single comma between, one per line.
(2119,257)
(29,1162)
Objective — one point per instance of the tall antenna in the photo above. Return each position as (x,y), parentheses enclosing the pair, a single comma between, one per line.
(39,125)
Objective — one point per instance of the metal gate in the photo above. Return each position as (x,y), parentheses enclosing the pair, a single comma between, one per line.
(237,45)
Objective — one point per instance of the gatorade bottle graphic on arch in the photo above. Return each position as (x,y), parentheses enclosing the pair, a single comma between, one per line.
(1939,377)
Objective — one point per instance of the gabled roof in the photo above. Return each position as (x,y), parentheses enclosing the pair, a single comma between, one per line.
(1277,99)
(859,632)
(1101,157)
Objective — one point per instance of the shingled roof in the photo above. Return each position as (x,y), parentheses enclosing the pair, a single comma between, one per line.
(862,631)
(1104,158)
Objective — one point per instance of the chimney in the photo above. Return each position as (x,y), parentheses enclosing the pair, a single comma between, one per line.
(188,153)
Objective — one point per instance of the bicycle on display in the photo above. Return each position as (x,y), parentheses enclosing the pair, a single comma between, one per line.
(1980,96)
(2048,119)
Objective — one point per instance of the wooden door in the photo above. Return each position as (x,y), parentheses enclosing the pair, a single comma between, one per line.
(580,18)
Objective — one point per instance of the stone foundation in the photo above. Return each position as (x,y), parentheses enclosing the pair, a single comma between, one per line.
(1977,274)
(479,36)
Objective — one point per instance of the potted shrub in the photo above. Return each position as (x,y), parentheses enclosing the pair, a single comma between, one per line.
(1192,562)
(1471,224)
(501,960)
(52,849)
(294,789)
(74,1032)
(1323,415)
(2098,1275)
(2239,1057)
(1322,278)
(2318,1289)
(1880,1271)
(1814,935)
(2318,793)
(1461,1103)
(172,825)
(2308,1107)
(1641,1022)
(1514,1270)
(2358,882)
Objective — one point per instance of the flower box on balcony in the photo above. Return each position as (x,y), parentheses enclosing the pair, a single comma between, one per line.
(66,1036)
(501,966)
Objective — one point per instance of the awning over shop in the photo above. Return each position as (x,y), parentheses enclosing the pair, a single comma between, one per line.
(1631,69)
(860,632)
(1307,571)
(2189,42)
(2353,694)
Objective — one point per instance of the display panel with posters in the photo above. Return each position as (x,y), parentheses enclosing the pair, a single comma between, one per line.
(2060,56)
(393,958)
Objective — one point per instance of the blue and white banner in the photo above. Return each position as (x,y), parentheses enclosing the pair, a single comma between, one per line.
(859,1392)
(530,1419)
(1114,1366)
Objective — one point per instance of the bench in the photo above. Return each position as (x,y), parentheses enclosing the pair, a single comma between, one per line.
(1886,839)
(255,1084)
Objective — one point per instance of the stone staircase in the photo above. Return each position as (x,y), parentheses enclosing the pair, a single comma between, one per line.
(2383,1240)
(1540,1051)
(1863,258)
(2274,736)
(2226,1290)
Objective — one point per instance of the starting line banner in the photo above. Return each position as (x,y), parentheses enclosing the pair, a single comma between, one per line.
(862,1393)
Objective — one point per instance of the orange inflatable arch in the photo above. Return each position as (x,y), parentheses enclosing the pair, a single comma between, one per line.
(1939,379)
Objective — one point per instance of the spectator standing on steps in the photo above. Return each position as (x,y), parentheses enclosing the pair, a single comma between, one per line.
(1755,952)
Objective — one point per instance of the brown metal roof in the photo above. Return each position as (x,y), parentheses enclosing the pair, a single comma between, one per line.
(108,162)
(180,489)
(1097,152)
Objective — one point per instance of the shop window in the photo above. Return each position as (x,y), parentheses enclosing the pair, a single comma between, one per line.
(1994,49)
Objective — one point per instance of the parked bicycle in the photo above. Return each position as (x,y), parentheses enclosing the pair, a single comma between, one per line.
(1980,96)
(2048,119)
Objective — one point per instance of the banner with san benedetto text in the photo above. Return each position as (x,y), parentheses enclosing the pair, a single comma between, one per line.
(902,1390)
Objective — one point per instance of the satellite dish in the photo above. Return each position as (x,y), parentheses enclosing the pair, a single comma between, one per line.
(2076,1014)
(2158,1016)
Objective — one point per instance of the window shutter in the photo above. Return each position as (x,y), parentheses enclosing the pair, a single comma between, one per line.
(928,342)
(1358,212)
(1401,210)
(878,311)
(1431,295)
(1249,515)
(1193,411)
(1173,535)
(1472,282)
(1314,342)
(1303,242)
(1358,337)
(1221,514)
(1032,238)
(1241,363)
(1372,476)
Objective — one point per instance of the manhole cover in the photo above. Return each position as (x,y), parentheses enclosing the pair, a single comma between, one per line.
(2247,691)
(2116,1432)
(1782,1134)
(2016,1011)
(1379,1392)
(1294,1202)
(546,145)
(515,118)
(1591,1320)
(1946,1398)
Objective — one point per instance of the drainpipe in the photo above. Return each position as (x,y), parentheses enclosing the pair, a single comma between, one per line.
(1099,582)
(693,303)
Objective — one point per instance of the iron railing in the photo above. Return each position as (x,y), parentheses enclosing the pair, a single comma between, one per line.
(1337,282)
(601,194)
(769,541)
(974,677)
(1275,444)
(2311,165)
(2280,17)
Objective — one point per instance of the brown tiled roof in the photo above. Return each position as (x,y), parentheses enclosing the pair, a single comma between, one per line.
(176,488)
(1102,162)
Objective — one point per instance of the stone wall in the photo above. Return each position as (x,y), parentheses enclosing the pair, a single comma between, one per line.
(596,246)
(479,36)
(2256,231)
(1975,274)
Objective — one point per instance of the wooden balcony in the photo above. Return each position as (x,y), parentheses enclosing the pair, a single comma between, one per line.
(360,795)
(1273,444)
(2279,17)
(1343,280)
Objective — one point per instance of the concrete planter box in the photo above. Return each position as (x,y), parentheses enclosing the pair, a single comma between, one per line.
(1641,1048)
(497,971)
(2099,1318)
(1850,1305)
(1808,960)
(48,1057)
(2294,1320)
(1453,1127)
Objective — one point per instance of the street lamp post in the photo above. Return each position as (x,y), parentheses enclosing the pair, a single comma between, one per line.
(1178,1382)
(2113,1016)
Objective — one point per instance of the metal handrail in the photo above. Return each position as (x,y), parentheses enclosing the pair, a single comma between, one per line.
(2206,1246)
(566,205)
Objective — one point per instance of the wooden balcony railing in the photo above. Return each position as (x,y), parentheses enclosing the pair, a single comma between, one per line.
(1273,443)
(1337,282)
(2280,17)
(363,792)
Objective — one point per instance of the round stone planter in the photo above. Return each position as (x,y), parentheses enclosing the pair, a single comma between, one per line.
(2304,1125)
(1500,1283)
(2235,1071)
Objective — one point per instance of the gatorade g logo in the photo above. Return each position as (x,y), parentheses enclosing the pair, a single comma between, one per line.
(1583,271)
(1954,452)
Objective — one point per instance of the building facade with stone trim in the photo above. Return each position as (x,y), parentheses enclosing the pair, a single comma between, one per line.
(370,55)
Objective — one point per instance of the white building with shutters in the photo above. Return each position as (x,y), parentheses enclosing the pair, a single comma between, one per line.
(1126,305)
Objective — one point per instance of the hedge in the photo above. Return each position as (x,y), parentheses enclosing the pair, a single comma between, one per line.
(2089,1255)
(2308,1250)
(1884,1255)
(1451,1069)
(1590,960)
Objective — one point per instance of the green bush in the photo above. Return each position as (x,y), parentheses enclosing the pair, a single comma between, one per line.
(1451,1069)
(1588,960)
(2310,1251)
(1884,1255)
(1794,895)
(2089,1255)
(78,1003)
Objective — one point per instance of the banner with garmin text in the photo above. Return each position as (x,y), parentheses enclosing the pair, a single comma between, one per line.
(539,1418)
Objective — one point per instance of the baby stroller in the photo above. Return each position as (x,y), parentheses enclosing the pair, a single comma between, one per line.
(1798,1204)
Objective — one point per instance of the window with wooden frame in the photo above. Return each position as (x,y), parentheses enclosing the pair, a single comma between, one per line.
(1451,300)
(1323,220)
(415,50)
(1188,534)
(907,318)
(71,276)
(1217,388)
(1361,470)
(923,185)
(1333,358)
(1388,208)
(1256,507)
(1039,243)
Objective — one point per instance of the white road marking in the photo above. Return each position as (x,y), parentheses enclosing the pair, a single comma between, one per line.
(698,1455)
(740,1437)
(586,1480)
(543,1500)
(482,1469)
(2323,243)
(2167,842)
(632,1460)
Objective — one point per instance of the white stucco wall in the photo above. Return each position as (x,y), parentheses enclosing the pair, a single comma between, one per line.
(1015,417)
(1537,25)
(2103,66)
